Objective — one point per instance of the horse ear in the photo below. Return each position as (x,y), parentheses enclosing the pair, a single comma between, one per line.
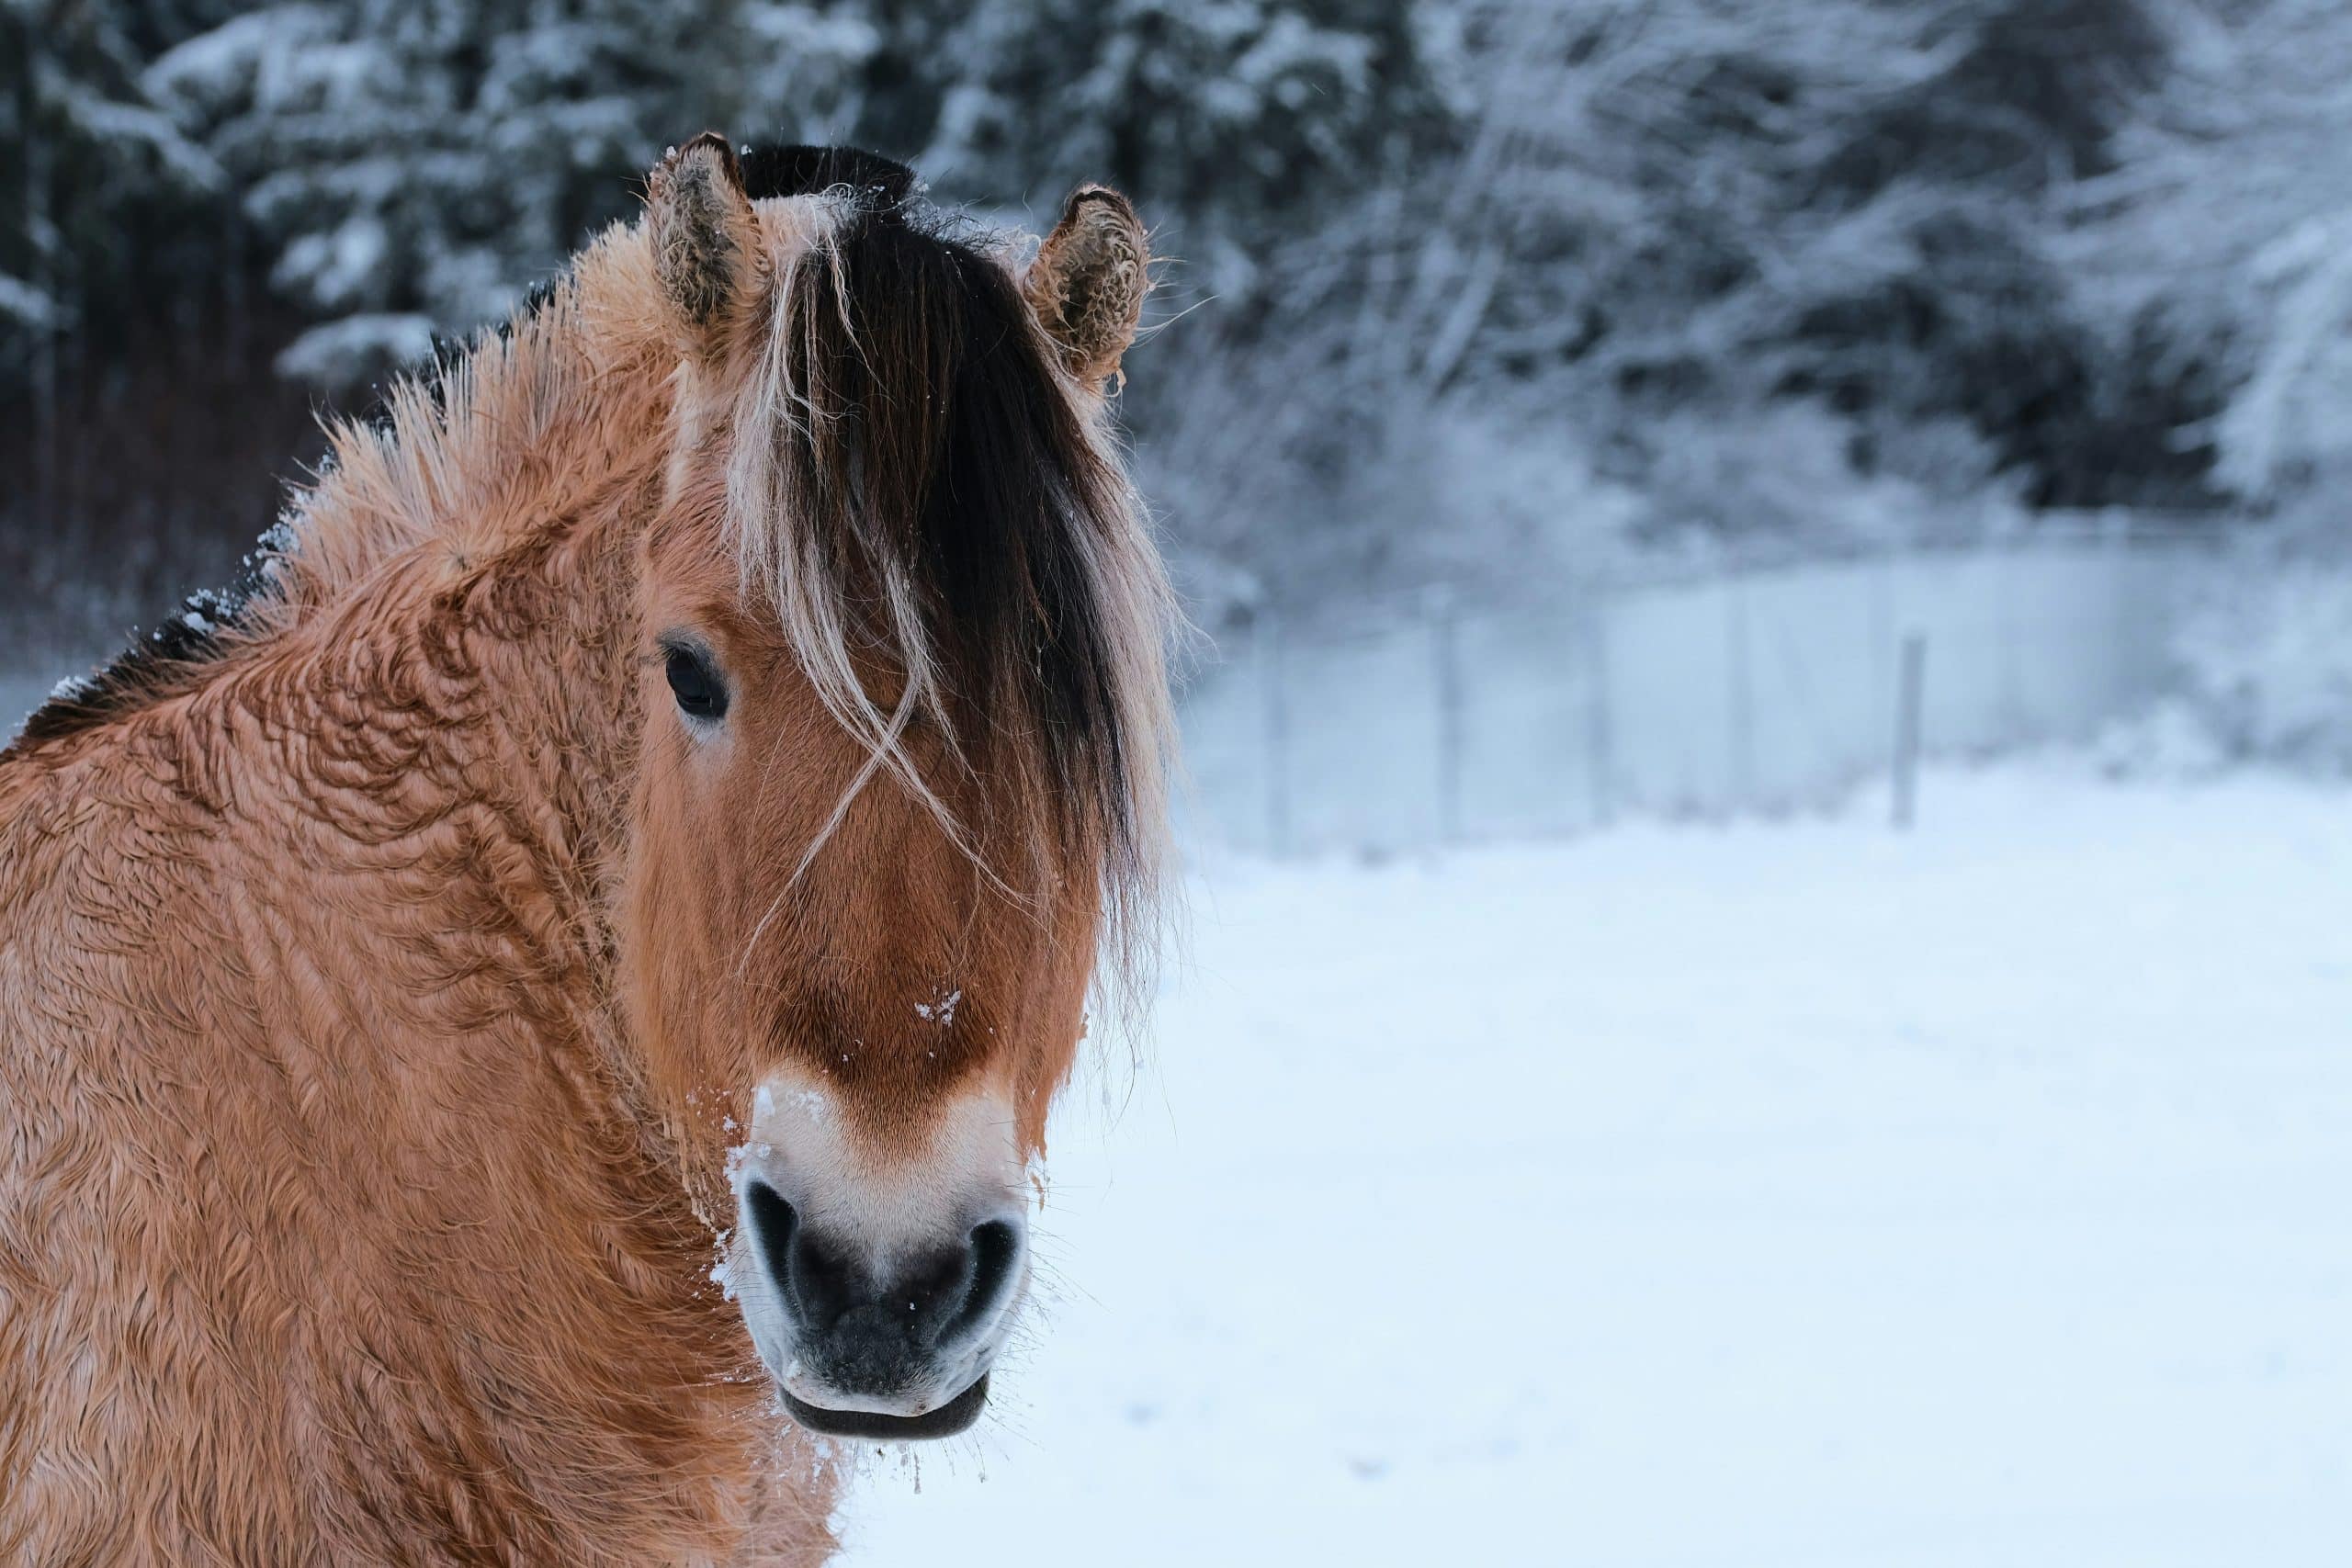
(704,238)
(1088,280)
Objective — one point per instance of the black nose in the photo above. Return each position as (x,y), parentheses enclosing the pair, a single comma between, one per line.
(879,1325)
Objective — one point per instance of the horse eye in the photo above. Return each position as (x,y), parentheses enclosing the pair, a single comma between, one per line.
(694,684)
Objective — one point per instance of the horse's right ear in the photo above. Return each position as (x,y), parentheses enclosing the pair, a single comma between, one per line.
(706,242)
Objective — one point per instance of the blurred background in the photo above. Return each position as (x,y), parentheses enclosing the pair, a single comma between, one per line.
(1769,965)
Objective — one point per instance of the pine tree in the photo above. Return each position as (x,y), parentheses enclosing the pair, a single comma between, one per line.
(1242,121)
(418,166)
(91,210)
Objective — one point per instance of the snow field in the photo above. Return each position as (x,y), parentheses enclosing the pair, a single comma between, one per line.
(1788,1193)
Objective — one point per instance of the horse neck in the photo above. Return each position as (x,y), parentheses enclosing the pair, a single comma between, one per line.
(461,725)
(494,663)
(478,688)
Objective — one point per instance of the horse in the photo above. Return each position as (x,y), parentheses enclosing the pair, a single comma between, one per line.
(542,1009)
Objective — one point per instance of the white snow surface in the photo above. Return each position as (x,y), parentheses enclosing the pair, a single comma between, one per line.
(1795,1194)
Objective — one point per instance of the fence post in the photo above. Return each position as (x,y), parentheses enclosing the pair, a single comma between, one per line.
(1908,696)
(1277,713)
(1880,650)
(2014,724)
(1445,652)
(2125,667)
(1598,739)
(1742,704)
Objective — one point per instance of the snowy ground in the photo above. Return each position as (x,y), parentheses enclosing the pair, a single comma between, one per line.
(1795,1194)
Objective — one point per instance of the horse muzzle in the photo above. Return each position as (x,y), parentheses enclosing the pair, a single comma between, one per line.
(878,1304)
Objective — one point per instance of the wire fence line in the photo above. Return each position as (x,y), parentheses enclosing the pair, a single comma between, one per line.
(1422,722)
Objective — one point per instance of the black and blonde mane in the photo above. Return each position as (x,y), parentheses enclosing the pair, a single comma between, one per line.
(908,434)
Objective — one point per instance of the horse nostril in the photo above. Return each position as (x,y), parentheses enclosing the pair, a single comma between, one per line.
(776,1225)
(996,1253)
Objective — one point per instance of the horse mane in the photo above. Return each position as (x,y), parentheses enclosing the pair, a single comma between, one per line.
(153,667)
(914,475)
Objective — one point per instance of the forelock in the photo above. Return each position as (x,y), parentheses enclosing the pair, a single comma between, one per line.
(912,470)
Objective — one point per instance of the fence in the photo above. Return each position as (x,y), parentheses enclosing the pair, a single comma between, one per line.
(1761,690)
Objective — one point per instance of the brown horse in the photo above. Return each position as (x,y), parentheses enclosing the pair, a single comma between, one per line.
(608,911)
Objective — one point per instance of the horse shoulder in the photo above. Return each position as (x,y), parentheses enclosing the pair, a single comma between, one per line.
(137,1333)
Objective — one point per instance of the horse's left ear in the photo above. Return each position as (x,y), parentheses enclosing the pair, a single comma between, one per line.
(1088,280)
(706,242)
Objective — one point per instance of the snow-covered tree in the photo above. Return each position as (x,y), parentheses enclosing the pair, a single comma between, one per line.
(95,155)
(1240,121)
(1677,242)
(417,164)
(94,212)
(2221,238)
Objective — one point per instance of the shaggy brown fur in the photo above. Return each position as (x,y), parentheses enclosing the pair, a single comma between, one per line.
(377,994)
